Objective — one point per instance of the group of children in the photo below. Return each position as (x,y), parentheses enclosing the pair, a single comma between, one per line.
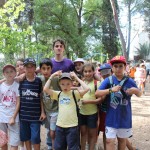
(53,99)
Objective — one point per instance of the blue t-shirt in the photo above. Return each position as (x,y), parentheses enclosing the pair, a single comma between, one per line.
(118,113)
(30,101)
(66,65)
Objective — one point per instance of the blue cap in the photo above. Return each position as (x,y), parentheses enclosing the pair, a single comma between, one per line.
(29,61)
(104,66)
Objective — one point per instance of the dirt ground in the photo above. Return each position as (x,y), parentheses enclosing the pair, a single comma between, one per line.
(141,123)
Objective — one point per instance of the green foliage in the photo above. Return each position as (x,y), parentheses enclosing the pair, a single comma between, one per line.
(143,51)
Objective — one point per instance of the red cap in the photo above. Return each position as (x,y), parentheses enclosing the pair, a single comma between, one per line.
(9,66)
(118,59)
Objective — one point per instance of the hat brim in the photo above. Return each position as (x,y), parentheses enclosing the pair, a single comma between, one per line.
(9,66)
(117,61)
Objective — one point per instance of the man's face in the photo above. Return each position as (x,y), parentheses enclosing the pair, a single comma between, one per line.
(9,73)
(46,70)
(58,48)
(30,69)
(118,69)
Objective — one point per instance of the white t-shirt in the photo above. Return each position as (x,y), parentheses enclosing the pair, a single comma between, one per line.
(8,97)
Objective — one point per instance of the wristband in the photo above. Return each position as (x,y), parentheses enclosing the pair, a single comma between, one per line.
(110,90)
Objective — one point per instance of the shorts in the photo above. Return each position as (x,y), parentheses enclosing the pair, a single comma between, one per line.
(66,137)
(53,120)
(120,133)
(88,120)
(30,131)
(102,121)
(14,133)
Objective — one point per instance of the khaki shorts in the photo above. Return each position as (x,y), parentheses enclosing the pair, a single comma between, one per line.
(13,132)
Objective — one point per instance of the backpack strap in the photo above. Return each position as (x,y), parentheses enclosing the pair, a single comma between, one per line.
(59,96)
(111,81)
(75,100)
(95,84)
(123,81)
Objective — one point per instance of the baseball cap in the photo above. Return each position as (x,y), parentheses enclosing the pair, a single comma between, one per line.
(29,61)
(9,66)
(104,66)
(65,75)
(118,59)
(79,60)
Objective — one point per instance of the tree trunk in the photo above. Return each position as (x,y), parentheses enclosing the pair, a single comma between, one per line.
(129,31)
(123,44)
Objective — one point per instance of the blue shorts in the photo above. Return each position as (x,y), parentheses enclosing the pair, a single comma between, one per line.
(30,131)
(88,120)
(66,137)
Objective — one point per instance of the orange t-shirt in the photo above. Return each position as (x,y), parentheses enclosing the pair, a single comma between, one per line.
(132,71)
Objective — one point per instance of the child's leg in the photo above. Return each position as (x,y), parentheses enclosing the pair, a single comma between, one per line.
(72,136)
(84,131)
(14,136)
(92,136)
(35,135)
(5,147)
(60,139)
(121,143)
(92,130)
(110,143)
(104,140)
(129,145)
(53,121)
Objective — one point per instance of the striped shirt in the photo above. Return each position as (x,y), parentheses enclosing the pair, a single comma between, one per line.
(30,104)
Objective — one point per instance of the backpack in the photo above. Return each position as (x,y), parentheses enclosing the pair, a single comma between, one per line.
(77,108)
(122,82)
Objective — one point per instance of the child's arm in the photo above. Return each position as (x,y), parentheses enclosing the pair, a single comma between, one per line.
(3,80)
(12,120)
(105,92)
(135,91)
(43,116)
(47,88)
(85,88)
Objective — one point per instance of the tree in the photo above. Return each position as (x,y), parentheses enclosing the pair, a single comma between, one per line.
(118,28)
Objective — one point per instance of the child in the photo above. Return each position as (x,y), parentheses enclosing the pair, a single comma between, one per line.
(9,107)
(50,106)
(31,106)
(78,64)
(20,66)
(67,122)
(118,116)
(105,71)
(88,111)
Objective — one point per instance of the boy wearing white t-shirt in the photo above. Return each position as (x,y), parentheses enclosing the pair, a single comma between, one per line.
(9,107)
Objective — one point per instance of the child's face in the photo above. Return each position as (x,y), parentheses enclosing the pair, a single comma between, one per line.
(118,69)
(46,70)
(9,74)
(78,66)
(75,83)
(88,73)
(20,67)
(30,69)
(65,85)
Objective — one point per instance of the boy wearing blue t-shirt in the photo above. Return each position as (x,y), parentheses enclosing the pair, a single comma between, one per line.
(31,106)
(118,97)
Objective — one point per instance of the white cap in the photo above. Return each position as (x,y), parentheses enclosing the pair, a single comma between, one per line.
(79,60)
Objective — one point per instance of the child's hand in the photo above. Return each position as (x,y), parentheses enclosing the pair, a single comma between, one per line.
(12,121)
(42,117)
(131,91)
(57,73)
(116,88)
(73,75)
